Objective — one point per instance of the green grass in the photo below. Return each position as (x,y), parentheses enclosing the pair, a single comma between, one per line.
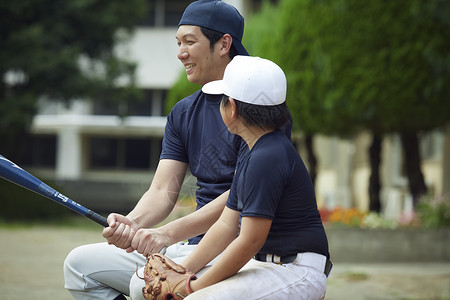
(356,276)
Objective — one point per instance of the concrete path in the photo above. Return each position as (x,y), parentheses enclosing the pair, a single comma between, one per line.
(411,281)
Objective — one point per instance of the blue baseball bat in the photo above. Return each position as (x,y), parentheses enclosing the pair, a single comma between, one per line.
(12,172)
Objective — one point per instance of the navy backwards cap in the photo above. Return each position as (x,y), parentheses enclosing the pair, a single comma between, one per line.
(218,16)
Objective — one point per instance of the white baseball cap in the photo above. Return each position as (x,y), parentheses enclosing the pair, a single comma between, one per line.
(252,80)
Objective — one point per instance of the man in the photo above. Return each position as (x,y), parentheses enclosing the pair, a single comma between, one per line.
(195,138)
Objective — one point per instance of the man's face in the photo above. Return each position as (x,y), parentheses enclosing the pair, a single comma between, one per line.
(198,59)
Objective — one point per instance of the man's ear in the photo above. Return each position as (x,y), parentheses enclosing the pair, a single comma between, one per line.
(225,44)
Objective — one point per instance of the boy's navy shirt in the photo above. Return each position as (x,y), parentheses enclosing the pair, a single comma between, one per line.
(196,134)
(272,182)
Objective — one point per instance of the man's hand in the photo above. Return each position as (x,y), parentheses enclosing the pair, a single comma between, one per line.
(120,232)
(148,241)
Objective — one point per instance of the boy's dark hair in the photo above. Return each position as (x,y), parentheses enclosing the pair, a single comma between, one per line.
(265,117)
(214,36)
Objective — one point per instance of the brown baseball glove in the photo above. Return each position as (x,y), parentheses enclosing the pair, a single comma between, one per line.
(165,279)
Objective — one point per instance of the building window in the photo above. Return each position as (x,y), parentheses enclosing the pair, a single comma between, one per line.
(164,13)
(105,108)
(149,19)
(151,105)
(38,150)
(173,11)
(110,153)
(103,152)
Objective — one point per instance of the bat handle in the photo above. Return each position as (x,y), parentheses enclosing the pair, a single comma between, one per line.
(97,218)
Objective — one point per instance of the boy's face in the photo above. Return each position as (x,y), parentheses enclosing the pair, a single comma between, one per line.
(200,62)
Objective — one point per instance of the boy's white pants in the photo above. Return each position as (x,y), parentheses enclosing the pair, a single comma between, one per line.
(102,271)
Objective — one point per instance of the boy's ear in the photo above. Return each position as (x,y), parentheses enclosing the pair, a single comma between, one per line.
(233,108)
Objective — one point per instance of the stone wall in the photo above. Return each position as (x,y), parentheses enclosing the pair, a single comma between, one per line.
(358,245)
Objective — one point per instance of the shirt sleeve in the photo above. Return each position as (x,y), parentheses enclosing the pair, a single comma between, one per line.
(259,183)
(232,199)
(173,146)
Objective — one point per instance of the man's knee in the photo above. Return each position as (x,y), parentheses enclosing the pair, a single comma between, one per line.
(136,285)
(73,268)
(79,266)
(81,262)
(74,258)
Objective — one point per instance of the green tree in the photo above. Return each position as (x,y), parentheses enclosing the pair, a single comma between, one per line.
(393,61)
(290,35)
(61,50)
(381,66)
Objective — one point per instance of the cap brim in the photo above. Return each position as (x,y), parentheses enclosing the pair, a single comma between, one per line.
(213,87)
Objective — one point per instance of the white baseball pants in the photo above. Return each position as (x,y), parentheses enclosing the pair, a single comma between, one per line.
(102,271)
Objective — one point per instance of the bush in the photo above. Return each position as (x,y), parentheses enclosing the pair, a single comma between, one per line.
(20,204)
(375,220)
(431,212)
(434,212)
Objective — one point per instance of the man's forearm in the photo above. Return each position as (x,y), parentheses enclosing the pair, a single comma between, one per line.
(159,200)
(149,212)
(197,222)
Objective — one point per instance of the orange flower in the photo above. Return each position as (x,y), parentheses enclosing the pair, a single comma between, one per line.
(350,216)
